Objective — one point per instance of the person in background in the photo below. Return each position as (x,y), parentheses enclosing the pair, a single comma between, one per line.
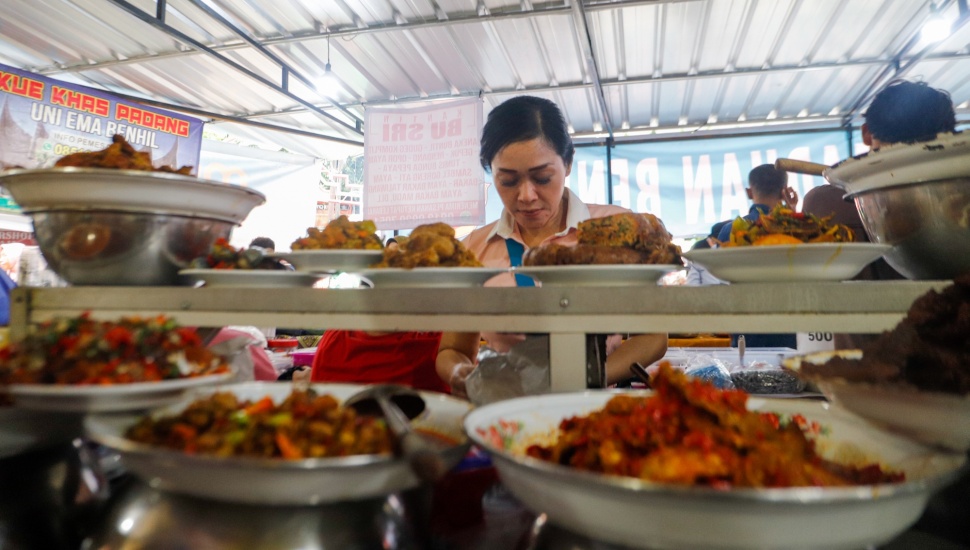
(265,243)
(6,285)
(526,146)
(903,112)
(372,357)
(767,188)
(697,275)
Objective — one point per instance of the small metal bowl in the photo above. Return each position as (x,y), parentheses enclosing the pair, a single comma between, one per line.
(94,247)
(927,224)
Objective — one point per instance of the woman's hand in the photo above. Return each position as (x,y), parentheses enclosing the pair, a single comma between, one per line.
(790,197)
(455,359)
(502,342)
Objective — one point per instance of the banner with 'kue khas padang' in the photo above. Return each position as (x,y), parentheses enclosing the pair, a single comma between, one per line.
(42,120)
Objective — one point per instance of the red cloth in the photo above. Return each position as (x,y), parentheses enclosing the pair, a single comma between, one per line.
(399,357)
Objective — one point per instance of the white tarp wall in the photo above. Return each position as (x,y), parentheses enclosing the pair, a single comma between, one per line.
(290,183)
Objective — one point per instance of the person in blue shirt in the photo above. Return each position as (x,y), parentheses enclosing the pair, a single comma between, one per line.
(767,188)
(6,285)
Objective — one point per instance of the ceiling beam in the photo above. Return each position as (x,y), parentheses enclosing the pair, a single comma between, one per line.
(900,65)
(249,121)
(589,61)
(287,69)
(182,37)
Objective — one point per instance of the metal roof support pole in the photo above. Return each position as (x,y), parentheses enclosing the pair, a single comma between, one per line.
(237,119)
(896,69)
(586,44)
(182,37)
(286,68)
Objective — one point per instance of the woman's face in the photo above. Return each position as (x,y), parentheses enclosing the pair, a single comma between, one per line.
(530,178)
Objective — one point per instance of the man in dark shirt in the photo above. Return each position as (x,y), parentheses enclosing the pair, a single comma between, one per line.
(767,188)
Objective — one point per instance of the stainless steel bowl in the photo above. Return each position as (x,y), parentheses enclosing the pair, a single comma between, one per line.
(927,224)
(98,247)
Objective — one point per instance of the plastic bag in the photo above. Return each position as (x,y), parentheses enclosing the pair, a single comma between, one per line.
(524,370)
(711,370)
(765,378)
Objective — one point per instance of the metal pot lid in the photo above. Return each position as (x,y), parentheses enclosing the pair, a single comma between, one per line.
(946,157)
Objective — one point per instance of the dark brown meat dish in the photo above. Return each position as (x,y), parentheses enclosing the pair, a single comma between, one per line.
(627,238)
(929,349)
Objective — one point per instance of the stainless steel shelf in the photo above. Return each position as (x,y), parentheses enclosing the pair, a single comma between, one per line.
(565,312)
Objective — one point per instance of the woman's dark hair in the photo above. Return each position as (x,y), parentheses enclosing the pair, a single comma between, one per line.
(523,118)
(908,112)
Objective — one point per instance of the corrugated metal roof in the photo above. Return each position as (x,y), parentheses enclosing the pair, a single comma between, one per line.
(636,69)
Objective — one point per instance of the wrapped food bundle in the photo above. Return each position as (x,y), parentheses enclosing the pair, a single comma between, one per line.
(341,233)
(626,238)
(429,245)
(785,226)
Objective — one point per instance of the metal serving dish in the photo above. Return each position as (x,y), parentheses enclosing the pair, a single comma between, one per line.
(278,481)
(917,199)
(98,226)
(642,514)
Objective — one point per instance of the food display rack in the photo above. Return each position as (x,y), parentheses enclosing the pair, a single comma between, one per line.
(566,313)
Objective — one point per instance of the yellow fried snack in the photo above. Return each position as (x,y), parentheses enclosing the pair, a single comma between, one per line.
(785,226)
(120,155)
(431,245)
(341,233)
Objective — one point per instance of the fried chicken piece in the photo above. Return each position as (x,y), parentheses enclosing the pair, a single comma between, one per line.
(625,238)
(581,254)
(430,245)
(341,233)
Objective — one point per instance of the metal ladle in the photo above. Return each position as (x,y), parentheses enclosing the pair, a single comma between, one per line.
(398,405)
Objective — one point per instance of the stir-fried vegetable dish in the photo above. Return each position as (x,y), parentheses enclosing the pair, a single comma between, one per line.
(223,255)
(689,432)
(785,226)
(341,233)
(84,351)
(304,425)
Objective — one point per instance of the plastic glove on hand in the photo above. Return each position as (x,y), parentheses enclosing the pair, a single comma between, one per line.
(458,376)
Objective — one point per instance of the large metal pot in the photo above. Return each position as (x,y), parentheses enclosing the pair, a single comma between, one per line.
(914,197)
(123,248)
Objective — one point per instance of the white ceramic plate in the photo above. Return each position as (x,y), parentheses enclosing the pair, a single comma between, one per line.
(946,157)
(129,190)
(22,429)
(436,277)
(278,481)
(931,417)
(642,514)
(330,261)
(802,262)
(266,278)
(114,398)
(598,275)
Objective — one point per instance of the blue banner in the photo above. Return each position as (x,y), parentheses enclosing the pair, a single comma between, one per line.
(693,184)
(42,120)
